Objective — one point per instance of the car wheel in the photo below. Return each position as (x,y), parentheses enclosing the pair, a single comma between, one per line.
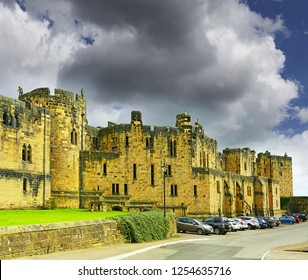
(249,226)
(216,230)
(199,231)
(177,229)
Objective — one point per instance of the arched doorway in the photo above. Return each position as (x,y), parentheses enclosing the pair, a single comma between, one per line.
(117,208)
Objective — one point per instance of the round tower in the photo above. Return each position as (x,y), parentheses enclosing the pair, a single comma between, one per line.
(67,140)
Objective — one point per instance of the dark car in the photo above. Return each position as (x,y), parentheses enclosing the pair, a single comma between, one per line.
(221,225)
(276,221)
(192,225)
(262,222)
(270,222)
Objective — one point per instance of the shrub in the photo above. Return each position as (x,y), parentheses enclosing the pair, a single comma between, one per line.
(144,226)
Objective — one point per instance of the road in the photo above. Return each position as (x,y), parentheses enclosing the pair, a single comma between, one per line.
(242,245)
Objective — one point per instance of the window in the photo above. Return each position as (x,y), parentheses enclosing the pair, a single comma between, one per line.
(149,143)
(195,190)
(125,189)
(115,189)
(5,119)
(126,141)
(29,153)
(95,143)
(218,186)
(134,171)
(10,120)
(152,174)
(105,168)
(249,190)
(74,137)
(172,147)
(174,190)
(25,185)
(169,173)
(24,152)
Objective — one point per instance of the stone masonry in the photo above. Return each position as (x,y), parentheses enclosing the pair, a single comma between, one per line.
(119,167)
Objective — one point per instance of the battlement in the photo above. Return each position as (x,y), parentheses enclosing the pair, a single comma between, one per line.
(43,97)
(274,157)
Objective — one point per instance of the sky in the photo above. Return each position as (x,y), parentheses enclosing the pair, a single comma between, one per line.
(238,66)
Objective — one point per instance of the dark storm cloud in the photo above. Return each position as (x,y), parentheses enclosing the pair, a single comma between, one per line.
(161,22)
(148,49)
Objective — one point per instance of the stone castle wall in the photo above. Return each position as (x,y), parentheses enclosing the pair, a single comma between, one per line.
(18,241)
(25,171)
(120,166)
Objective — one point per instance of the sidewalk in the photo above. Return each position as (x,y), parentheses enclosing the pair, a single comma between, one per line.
(291,252)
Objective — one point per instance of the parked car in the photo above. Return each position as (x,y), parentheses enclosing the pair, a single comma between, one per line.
(287,220)
(235,225)
(302,216)
(270,222)
(192,225)
(276,221)
(297,219)
(242,223)
(221,225)
(252,222)
(262,222)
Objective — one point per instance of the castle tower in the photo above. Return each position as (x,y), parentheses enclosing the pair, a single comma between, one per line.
(67,140)
(240,161)
(184,121)
(279,168)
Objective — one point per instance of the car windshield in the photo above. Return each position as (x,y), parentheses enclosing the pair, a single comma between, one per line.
(197,222)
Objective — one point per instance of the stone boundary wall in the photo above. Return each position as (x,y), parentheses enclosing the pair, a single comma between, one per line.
(18,241)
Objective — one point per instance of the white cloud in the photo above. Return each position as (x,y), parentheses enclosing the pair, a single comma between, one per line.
(302,114)
(30,56)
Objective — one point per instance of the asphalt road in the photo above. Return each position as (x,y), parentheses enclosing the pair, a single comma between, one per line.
(241,245)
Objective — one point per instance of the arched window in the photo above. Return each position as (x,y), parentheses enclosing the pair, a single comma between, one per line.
(24,152)
(5,118)
(15,121)
(74,137)
(10,120)
(29,153)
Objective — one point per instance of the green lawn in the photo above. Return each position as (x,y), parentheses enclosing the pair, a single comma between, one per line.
(26,217)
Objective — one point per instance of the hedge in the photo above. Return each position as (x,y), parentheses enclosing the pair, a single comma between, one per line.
(144,226)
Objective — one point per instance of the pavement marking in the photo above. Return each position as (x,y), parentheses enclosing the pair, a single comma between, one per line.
(264,255)
(119,257)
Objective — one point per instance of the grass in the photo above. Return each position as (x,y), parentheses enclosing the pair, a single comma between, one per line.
(27,217)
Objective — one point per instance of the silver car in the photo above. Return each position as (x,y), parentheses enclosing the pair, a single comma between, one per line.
(252,222)
(192,225)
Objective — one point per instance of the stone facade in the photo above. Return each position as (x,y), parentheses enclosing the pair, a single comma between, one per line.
(25,175)
(119,167)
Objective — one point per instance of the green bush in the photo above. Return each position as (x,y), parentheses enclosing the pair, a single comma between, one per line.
(144,226)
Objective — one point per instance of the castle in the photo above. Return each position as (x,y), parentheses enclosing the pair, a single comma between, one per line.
(51,157)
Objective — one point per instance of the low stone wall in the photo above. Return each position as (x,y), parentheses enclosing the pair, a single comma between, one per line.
(18,241)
